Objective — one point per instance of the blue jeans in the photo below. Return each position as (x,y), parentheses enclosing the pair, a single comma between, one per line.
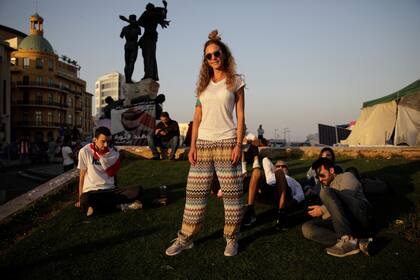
(154,142)
(349,216)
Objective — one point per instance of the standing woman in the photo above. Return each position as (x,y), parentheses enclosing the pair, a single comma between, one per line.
(215,146)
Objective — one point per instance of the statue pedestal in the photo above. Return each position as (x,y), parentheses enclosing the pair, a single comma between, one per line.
(147,89)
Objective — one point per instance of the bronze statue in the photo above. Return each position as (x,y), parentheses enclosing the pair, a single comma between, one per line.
(131,33)
(149,21)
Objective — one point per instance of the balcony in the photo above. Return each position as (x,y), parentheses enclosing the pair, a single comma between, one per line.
(35,124)
(39,103)
(32,84)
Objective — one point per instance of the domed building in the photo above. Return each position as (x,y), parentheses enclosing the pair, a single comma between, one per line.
(47,94)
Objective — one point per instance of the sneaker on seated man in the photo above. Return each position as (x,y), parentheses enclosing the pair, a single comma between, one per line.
(344,215)
(98,166)
(286,191)
(166,135)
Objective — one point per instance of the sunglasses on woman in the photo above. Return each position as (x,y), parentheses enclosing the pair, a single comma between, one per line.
(216,54)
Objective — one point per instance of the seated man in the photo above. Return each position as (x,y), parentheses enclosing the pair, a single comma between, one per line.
(166,136)
(345,211)
(288,193)
(98,166)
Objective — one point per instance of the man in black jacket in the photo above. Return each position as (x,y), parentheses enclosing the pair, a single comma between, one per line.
(166,136)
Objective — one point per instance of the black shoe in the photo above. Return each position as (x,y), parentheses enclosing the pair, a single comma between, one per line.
(282,223)
(249,217)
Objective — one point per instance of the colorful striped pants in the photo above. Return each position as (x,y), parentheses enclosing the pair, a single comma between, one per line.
(213,157)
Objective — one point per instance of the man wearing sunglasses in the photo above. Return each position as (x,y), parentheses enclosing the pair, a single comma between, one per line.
(286,191)
(345,212)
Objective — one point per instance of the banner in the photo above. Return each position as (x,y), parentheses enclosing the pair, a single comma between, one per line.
(130,126)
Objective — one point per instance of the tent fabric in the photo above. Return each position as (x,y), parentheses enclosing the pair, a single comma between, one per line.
(379,117)
(407,128)
(374,126)
(411,89)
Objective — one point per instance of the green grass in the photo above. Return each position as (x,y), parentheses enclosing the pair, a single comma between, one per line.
(131,245)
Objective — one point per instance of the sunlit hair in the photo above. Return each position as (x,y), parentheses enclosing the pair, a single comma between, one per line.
(229,65)
(327,149)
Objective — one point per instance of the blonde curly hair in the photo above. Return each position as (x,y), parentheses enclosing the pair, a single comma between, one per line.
(229,65)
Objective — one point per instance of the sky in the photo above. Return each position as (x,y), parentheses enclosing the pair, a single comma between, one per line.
(305,61)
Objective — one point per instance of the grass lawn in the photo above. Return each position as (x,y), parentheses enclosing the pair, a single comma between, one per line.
(67,245)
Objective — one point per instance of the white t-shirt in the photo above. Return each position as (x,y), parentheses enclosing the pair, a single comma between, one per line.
(66,151)
(296,188)
(217,104)
(96,178)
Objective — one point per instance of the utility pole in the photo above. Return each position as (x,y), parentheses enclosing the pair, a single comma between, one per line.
(285,131)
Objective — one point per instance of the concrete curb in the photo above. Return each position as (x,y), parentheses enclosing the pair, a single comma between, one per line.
(20,203)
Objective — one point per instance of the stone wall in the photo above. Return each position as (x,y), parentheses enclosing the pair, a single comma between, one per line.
(409,153)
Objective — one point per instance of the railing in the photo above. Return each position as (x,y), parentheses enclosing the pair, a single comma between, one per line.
(45,85)
(38,124)
(40,102)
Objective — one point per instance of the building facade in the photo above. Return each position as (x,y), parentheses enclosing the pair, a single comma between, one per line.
(5,128)
(108,85)
(47,93)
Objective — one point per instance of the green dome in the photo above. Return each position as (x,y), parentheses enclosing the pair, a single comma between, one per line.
(36,43)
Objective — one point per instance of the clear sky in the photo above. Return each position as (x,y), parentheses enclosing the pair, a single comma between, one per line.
(305,62)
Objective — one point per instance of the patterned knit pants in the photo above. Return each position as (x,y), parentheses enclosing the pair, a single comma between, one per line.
(213,157)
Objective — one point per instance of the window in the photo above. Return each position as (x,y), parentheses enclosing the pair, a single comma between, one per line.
(26,80)
(14,61)
(50,65)
(26,62)
(50,82)
(49,118)
(25,116)
(69,119)
(59,117)
(38,97)
(39,62)
(70,103)
(38,118)
(39,80)
(50,98)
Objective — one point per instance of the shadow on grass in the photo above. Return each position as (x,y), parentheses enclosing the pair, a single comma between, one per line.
(82,249)
(394,203)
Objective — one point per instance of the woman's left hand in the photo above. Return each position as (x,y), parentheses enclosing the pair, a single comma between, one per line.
(236,155)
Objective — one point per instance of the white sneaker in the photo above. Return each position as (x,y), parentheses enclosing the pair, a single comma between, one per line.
(179,244)
(231,248)
(131,206)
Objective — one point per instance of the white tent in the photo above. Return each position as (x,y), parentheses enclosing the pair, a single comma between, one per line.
(393,119)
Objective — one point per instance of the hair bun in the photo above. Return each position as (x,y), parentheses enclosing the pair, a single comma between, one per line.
(214,35)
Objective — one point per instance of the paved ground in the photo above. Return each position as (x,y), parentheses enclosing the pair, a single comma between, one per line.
(17,180)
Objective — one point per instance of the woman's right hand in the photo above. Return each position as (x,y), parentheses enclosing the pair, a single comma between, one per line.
(192,155)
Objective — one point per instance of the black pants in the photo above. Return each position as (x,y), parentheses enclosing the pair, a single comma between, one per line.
(107,200)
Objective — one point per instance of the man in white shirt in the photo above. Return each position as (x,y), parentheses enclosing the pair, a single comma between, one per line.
(67,153)
(287,192)
(98,166)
